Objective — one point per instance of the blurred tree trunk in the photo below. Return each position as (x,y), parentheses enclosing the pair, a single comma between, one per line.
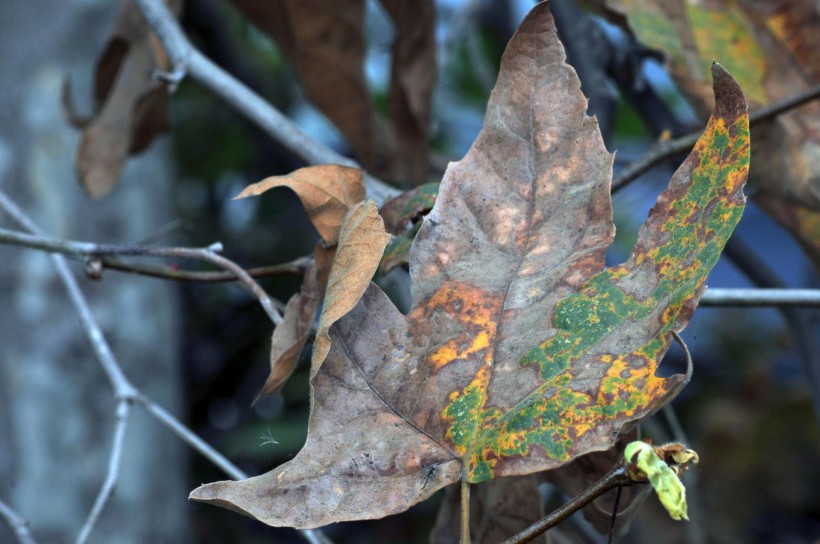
(56,407)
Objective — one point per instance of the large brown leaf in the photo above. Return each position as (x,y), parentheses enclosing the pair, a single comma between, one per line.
(132,104)
(771,48)
(521,352)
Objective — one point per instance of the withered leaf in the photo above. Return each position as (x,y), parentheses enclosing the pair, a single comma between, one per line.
(290,336)
(412,76)
(361,243)
(399,211)
(132,105)
(323,41)
(327,193)
(521,352)
(400,214)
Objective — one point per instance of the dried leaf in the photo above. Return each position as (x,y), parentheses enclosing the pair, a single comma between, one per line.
(361,243)
(770,47)
(396,254)
(327,193)
(520,353)
(399,211)
(412,76)
(323,41)
(132,105)
(290,336)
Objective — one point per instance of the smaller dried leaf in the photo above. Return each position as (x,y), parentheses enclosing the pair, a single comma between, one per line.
(412,76)
(396,254)
(361,244)
(327,193)
(324,42)
(291,335)
(408,206)
(132,105)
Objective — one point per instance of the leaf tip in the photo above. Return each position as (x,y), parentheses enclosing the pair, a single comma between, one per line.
(729,99)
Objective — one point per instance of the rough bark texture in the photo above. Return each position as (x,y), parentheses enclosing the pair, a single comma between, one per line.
(56,407)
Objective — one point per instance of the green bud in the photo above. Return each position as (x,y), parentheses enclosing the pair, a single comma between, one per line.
(663,479)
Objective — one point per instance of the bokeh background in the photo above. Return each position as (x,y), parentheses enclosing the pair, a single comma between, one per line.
(201,349)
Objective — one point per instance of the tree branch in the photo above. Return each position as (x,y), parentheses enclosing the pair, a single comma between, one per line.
(616,477)
(662,151)
(187,60)
(297,266)
(17,523)
(114,463)
(809,298)
(95,251)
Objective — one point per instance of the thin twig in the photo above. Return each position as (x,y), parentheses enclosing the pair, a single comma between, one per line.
(664,150)
(114,463)
(296,266)
(186,59)
(213,257)
(17,523)
(88,249)
(616,477)
(807,298)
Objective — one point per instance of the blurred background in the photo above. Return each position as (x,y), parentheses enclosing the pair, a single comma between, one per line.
(202,349)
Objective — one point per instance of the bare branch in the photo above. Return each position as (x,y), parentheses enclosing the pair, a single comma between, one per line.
(809,298)
(296,266)
(211,256)
(114,463)
(88,249)
(185,58)
(616,477)
(17,524)
(664,150)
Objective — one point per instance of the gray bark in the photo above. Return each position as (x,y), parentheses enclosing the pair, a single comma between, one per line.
(56,407)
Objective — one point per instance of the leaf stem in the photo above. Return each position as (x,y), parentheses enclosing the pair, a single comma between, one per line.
(616,477)
(465,510)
